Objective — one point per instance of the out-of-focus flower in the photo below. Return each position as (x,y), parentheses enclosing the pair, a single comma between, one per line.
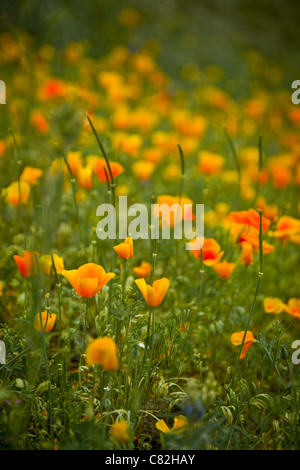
(251,236)
(48,320)
(120,432)
(211,249)
(180,425)
(27,265)
(39,121)
(273,305)
(75,162)
(169,217)
(125,250)
(287,228)
(269,211)
(53,88)
(224,269)
(17,192)
(130,17)
(237,339)
(250,217)
(98,164)
(128,143)
(281,175)
(46,264)
(153,295)
(293,308)
(143,270)
(84,177)
(87,280)
(143,170)
(247,253)
(31,175)
(210,163)
(102,351)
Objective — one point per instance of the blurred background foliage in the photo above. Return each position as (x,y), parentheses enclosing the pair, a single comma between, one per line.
(201,32)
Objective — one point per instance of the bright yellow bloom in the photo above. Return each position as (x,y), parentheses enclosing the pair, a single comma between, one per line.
(273,305)
(89,279)
(46,264)
(84,177)
(48,320)
(143,170)
(16,192)
(31,175)
(153,295)
(120,432)
(180,425)
(125,250)
(293,308)
(102,351)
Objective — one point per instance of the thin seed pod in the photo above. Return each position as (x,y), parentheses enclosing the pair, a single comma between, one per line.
(233,151)
(105,157)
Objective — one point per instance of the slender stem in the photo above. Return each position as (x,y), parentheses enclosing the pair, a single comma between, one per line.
(59,302)
(260,274)
(83,341)
(112,185)
(201,281)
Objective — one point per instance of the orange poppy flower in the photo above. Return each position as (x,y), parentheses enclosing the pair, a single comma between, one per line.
(125,250)
(84,177)
(31,175)
(269,211)
(48,320)
(247,253)
(89,279)
(251,236)
(102,351)
(273,305)
(153,295)
(75,162)
(224,269)
(211,252)
(143,270)
(237,339)
(98,164)
(27,265)
(293,307)
(286,228)
(210,163)
(17,192)
(250,217)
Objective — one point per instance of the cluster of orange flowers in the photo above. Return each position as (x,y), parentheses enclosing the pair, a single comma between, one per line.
(87,281)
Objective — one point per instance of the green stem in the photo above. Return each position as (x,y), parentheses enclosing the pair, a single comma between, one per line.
(83,341)
(201,282)
(260,274)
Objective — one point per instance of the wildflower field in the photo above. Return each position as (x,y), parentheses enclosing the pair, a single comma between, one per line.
(132,343)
